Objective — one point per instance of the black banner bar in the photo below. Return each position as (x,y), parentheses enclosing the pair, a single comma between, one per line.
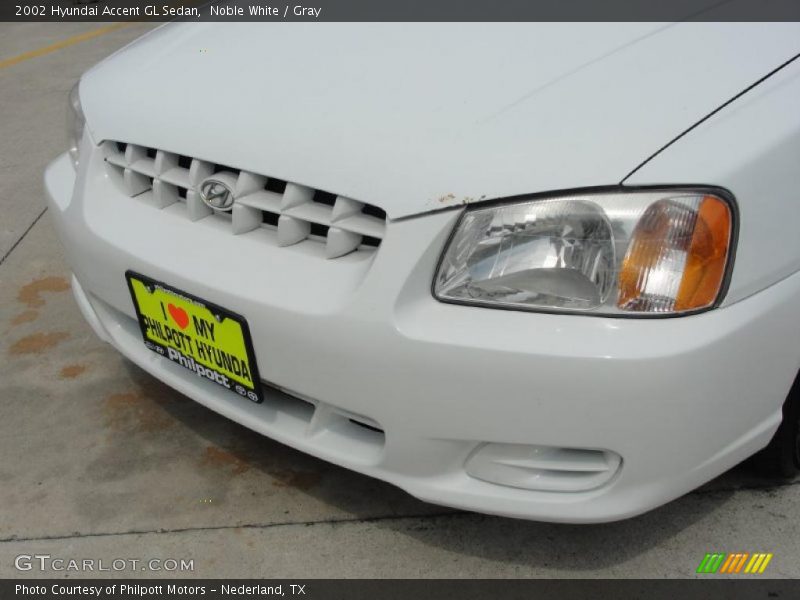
(399,10)
(355,589)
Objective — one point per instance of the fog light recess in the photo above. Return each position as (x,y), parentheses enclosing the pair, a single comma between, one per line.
(543,468)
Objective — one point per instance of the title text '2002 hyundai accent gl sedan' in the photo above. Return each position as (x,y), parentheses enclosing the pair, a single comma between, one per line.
(539,270)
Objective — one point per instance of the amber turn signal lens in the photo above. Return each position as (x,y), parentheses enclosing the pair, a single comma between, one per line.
(707,257)
(677,256)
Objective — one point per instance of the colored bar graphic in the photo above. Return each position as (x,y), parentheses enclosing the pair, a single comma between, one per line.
(734,562)
(704,564)
(741,562)
(757,558)
(731,560)
(721,562)
(711,563)
(764,564)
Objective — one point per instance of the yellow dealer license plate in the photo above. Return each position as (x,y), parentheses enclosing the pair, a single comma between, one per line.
(207,339)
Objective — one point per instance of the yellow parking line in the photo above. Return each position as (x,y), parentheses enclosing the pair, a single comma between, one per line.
(76,39)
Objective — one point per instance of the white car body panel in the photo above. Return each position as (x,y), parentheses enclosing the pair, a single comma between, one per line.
(680,400)
(416,117)
(757,134)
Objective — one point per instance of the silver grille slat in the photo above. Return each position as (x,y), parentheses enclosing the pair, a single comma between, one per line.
(293,212)
(315,213)
(262,200)
(177,176)
(361,224)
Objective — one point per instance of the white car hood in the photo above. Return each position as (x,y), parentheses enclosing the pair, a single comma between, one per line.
(418,117)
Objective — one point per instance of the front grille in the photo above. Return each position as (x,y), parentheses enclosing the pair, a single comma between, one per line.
(293,213)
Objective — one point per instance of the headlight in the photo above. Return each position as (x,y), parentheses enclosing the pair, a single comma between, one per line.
(75,124)
(619,253)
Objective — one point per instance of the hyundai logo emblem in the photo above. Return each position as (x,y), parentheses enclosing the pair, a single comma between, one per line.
(216,194)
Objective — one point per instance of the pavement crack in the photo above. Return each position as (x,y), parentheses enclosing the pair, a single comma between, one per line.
(22,237)
(312,523)
(342,521)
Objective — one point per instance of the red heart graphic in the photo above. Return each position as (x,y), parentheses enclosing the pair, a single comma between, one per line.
(178,315)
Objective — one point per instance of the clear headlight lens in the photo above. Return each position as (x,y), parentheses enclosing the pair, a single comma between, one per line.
(608,253)
(75,124)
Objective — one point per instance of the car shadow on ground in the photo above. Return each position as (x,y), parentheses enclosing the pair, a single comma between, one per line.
(354,497)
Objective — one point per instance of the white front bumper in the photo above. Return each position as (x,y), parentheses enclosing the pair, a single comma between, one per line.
(680,400)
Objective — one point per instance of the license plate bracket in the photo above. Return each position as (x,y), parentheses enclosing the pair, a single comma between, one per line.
(203,337)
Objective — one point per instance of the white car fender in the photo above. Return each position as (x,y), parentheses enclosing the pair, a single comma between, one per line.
(751,148)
